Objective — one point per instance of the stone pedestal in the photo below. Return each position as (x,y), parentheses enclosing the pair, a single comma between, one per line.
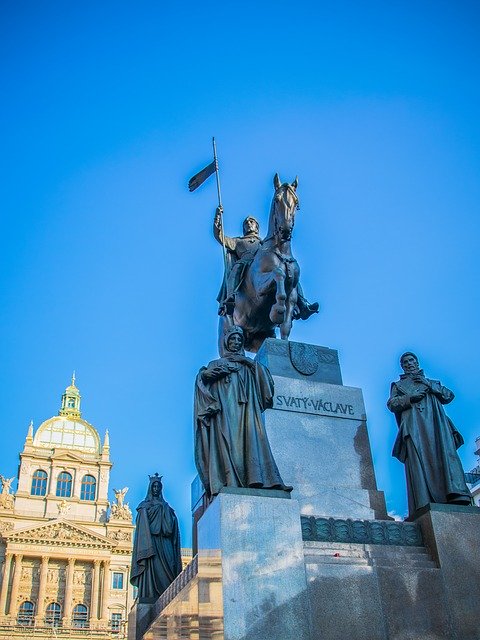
(318,433)
(139,619)
(325,562)
(259,542)
(451,533)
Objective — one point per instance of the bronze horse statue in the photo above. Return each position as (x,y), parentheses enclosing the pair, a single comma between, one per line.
(267,296)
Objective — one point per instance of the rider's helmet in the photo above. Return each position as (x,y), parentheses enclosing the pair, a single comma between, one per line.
(246,225)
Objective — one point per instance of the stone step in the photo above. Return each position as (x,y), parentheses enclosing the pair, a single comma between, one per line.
(310,562)
(402,562)
(372,555)
(333,550)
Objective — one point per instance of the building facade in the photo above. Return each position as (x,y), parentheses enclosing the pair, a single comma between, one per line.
(473,478)
(65,551)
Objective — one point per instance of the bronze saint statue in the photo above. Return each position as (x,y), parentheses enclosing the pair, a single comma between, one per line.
(261,288)
(427,440)
(231,444)
(240,253)
(156,560)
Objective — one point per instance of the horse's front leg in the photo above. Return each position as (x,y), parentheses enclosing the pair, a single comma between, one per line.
(277,312)
(286,326)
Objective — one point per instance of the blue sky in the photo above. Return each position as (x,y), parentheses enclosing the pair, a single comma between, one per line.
(108,262)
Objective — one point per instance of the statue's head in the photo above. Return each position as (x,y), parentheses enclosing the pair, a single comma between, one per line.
(234,339)
(409,362)
(155,487)
(251,226)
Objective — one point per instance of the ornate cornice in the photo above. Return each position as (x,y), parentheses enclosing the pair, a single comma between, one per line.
(60,533)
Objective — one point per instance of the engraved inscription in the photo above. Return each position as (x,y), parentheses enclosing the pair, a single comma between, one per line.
(313,405)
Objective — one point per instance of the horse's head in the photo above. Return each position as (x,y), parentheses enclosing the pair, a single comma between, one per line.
(282,212)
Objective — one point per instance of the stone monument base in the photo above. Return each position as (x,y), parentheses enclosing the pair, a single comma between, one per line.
(260,576)
(451,533)
(259,542)
(324,562)
(139,619)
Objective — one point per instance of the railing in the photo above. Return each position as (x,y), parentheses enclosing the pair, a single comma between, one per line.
(13,630)
(177,585)
(472,477)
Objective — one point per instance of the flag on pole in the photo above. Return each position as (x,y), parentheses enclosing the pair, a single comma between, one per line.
(200,177)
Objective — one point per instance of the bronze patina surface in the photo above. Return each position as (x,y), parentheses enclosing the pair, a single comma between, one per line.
(231,444)
(427,439)
(156,560)
(261,288)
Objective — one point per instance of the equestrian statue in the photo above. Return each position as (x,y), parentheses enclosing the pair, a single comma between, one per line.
(261,288)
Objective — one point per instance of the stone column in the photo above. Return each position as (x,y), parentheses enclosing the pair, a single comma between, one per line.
(40,609)
(5,581)
(67,602)
(95,592)
(15,584)
(105,589)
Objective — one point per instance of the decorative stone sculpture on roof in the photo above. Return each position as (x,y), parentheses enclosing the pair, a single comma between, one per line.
(63,508)
(119,510)
(6,498)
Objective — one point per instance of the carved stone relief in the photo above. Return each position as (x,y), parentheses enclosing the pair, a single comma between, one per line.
(121,536)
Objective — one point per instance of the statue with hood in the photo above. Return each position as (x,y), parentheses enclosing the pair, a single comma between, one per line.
(231,444)
(156,560)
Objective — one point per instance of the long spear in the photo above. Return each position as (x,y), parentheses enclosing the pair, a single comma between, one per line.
(219,193)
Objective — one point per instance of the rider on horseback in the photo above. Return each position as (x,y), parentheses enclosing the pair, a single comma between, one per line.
(240,252)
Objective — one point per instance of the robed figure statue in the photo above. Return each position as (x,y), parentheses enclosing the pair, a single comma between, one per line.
(427,440)
(156,560)
(231,444)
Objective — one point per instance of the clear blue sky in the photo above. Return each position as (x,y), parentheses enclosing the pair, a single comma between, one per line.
(108,262)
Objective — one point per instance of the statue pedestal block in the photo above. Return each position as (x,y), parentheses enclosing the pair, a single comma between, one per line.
(139,618)
(318,433)
(259,543)
(451,534)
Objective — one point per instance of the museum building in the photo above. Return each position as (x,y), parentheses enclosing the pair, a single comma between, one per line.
(473,478)
(65,551)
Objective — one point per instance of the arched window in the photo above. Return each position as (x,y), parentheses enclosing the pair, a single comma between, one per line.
(80,616)
(53,614)
(89,485)
(64,485)
(26,613)
(39,483)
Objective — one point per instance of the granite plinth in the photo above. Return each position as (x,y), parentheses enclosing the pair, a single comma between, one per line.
(259,542)
(318,433)
(451,533)
(139,618)
(299,360)
(374,592)
(326,458)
